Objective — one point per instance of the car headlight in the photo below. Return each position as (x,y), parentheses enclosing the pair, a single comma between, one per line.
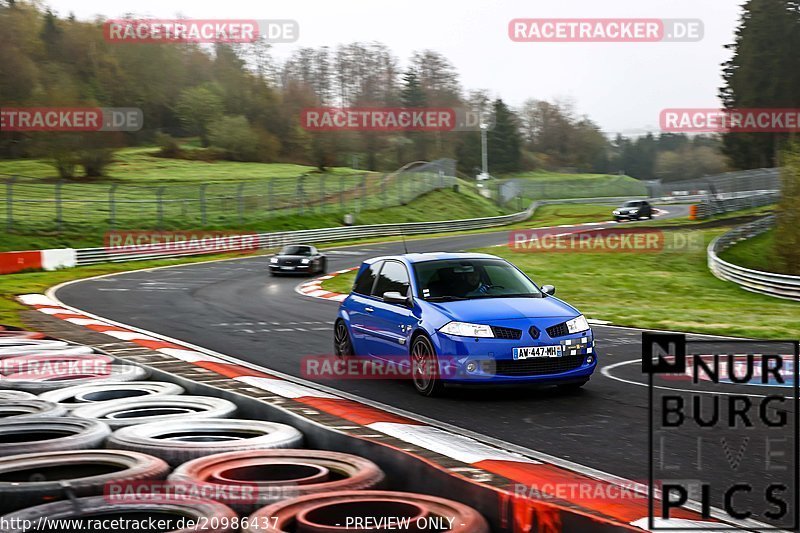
(616,211)
(306,261)
(463,329)
(577,324)
(273,260)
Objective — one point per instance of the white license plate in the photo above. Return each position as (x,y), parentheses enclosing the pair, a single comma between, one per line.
(287,268)
(529,352)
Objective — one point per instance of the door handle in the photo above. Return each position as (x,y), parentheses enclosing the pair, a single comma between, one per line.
(368,309)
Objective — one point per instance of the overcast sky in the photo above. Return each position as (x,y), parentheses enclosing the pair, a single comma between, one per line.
(621,86)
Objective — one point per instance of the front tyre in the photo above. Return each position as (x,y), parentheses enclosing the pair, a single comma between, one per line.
(342,345)
(425,367)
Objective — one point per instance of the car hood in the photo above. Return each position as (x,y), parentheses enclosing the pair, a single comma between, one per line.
(485,311)
(293,257)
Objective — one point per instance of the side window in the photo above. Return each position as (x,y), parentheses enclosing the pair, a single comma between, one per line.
(393,277)
(366,279)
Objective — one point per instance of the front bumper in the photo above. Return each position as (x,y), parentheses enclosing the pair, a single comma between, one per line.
(295,269)
(466,360)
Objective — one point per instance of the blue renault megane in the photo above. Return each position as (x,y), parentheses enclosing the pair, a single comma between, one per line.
(463,318)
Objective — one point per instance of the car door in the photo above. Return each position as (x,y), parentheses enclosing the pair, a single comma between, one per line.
(360,306)
(390,323)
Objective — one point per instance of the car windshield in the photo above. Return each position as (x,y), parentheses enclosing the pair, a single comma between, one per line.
(296,250)
(631,204)
(467,279)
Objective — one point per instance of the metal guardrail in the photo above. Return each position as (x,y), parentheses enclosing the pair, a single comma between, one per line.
(769,283)
(268,241)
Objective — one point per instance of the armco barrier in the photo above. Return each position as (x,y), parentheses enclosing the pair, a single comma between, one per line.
(778,285)
(11,262)
(66,258)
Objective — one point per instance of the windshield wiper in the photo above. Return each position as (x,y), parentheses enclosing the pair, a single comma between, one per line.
(444,298)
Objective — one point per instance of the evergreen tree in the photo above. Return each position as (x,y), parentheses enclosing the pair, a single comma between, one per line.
(764,72)
(504,141)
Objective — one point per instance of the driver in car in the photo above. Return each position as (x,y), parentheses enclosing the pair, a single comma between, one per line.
(473,284)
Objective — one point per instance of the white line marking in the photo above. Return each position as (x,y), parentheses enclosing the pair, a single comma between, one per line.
(456,447)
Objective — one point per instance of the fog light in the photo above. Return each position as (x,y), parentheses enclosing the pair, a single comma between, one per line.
(472,366)
(590,360)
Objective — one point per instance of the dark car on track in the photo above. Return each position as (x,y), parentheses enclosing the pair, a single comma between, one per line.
(298,259)
(633,210)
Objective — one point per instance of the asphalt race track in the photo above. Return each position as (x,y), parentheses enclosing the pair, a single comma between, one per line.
(236,308)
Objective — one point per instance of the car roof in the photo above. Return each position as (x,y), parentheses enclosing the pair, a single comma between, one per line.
(412,258)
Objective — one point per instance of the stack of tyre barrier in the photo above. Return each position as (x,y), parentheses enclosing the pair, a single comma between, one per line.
(111,450)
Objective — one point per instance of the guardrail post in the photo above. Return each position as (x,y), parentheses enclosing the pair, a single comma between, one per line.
(240,202)
(10,202)
(160,207)
(112,205)
(59,207)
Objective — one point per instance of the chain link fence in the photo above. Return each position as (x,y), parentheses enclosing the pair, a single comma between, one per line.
(563,187)
(722,185)
(37,204)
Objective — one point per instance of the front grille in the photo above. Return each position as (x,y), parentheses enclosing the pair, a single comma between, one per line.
(559,330)
(506,333)
(537,366)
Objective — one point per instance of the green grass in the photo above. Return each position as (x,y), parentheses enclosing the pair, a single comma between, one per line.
(146,191)
(670,290)
(140,166)
(541,185)
(757,253)
(342,283)
(543,175)
(442,204)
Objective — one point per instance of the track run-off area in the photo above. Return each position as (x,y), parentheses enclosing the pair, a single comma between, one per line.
(233,307)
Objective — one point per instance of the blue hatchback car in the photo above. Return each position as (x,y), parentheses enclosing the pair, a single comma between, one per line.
(463,318)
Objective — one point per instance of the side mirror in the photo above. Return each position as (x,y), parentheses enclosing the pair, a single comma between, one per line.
(548,290)
(394,297)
